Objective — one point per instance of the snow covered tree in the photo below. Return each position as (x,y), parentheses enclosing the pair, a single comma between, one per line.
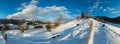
(88,14)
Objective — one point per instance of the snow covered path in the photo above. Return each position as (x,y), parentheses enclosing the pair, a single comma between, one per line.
(104,34)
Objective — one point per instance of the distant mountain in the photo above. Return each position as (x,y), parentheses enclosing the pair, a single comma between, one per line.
(16,21)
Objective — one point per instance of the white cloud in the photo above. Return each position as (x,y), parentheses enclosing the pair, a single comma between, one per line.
(104,10)
(23,4)
(113,12)
(34,2)
(52,10)
(19,8)
(95,6)
(31,10)
(27,11)
(98,6)
(111,9)
(101,7)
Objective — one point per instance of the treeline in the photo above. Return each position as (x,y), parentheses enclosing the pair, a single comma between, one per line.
(108,19)
(84,15)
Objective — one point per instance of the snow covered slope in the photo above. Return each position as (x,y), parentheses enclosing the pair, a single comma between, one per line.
(69,33)
(2,41)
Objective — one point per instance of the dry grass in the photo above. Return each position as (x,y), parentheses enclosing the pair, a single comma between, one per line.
(56,24)
(48,26)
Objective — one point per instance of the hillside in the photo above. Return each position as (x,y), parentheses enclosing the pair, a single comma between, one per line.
(74,32)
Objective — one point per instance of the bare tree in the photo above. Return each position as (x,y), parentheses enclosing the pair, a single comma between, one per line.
(88,14)
(58,21)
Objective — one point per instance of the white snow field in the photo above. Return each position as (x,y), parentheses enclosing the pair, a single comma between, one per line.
(68,33)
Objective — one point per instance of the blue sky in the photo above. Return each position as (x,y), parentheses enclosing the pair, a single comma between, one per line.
(110,8)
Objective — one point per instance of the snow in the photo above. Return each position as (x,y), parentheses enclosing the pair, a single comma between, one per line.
(105,34)
(2,41)
(113,24)
(68,33)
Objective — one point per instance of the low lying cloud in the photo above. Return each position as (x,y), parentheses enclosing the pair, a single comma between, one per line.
(52,10)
